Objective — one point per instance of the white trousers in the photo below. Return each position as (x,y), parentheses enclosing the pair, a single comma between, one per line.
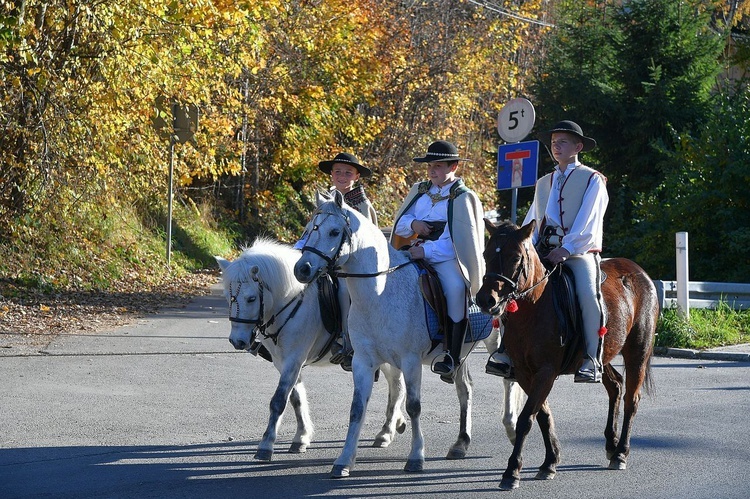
(454,289)
(589,291)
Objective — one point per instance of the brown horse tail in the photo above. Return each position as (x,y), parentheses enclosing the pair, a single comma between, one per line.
(648,380)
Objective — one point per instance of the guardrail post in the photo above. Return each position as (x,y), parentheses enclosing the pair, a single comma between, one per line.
(660,294)
(683,280)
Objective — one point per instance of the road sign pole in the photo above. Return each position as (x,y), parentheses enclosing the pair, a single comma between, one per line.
(183,127)
(169,200)
(513,205)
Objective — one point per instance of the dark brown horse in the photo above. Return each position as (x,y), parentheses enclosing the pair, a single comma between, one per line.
(532,339)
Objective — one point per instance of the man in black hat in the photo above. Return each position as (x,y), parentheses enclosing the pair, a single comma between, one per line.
(442,219)
(568,207)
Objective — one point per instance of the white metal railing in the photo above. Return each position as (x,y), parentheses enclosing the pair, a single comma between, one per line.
(705,294)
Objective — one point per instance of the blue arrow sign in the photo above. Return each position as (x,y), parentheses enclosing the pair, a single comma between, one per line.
(517,164)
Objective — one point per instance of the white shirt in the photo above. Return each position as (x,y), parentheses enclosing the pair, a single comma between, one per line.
(423,209)
(587,231)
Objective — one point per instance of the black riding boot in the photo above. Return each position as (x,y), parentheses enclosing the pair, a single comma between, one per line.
(446,368)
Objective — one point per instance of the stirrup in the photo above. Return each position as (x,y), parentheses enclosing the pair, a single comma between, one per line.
(442,367)
(500,369)
(346,362)
(588,374)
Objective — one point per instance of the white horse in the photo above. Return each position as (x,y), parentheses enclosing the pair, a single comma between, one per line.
(267,303)
(387,325)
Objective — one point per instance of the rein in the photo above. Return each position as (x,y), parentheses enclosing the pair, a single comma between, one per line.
(373,274)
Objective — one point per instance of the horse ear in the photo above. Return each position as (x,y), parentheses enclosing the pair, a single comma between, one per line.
(491,227)
(321,197)
(528,229)
(223,263)
(338,198)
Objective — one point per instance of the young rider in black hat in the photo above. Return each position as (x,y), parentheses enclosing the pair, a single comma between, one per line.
(444,217)
(568,207)
(345,171)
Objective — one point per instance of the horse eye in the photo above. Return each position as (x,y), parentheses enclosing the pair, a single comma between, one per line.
(251,299)
(335,233)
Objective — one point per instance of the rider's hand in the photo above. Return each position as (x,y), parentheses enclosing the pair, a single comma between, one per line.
(416,252)
(558,255)
(421,228)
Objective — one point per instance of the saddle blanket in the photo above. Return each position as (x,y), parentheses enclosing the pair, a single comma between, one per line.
(480,324)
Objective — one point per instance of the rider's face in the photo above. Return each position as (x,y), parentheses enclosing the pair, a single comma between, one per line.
(441,172)
(565,147)
(344,176)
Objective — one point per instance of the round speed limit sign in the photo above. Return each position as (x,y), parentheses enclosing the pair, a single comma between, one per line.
(515,120)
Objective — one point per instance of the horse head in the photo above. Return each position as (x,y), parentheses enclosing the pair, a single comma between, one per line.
(510,260)
(256,285)
(248,297)
(329,240)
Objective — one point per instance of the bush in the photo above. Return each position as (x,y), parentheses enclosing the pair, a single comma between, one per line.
(706,328)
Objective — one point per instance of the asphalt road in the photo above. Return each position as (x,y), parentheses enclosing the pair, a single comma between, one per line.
(165,408)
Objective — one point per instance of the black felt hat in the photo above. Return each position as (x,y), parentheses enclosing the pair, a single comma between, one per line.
(440,150)
(346,158)
(568,126)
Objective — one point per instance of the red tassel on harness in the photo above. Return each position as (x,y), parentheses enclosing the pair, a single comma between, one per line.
(511,307)
(495,323)
(602,331)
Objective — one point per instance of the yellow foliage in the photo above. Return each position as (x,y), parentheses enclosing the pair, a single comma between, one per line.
(302,80)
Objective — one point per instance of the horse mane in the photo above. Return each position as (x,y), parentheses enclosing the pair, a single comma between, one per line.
(275,262)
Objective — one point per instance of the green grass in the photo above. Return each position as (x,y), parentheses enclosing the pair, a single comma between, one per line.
(99,247)
(706,328)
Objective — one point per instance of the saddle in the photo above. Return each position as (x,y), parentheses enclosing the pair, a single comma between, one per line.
(432,292)
(328,300)
(568,312)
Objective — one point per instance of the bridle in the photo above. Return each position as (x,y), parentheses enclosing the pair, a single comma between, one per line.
(512,282)
(260,326)
(346,236)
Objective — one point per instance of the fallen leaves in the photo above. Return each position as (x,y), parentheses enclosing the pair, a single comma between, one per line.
(33,319)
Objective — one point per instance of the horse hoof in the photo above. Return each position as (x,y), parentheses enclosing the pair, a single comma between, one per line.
(545,475)
(297,448)
(340,471)
(510,483)
(617,464)
(263,455)
(400,428)
(456,453)
(381,442)
(414,465)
